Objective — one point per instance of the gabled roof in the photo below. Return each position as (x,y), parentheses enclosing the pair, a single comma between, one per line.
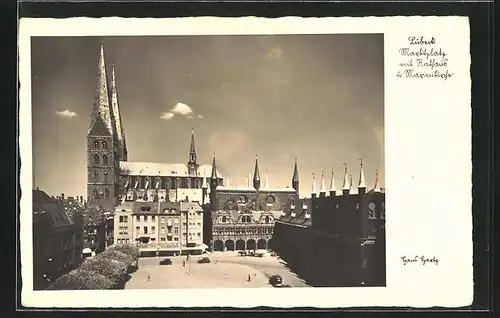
(50,208)
(135,168)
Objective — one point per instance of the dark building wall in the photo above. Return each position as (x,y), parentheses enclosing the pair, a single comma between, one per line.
(343,246)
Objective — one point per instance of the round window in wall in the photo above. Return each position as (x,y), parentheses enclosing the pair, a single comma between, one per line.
(270,200)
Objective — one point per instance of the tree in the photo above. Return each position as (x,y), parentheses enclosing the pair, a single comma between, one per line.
(113,270)
(79,279)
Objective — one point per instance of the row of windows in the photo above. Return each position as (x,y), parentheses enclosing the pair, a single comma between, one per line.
(123,241)
(97,160)
(103,143)
(164,182)
(123,218)
(96,194)
(242,230)
(245,219)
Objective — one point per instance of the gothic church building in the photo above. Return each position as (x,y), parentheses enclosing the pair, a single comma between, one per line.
(112,178)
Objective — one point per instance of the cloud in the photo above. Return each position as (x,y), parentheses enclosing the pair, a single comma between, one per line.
(275,53)
(181,109)
(200,116)
(189,117)
(66,113)
(167,116)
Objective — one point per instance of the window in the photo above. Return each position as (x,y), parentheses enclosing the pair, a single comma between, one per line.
(137,229)
(176,239)
(145,230)
(153,229)
(96,144)
(371,211)
(199,233)
(153,218)
(137,218)
(267,219)
(162,239)
(224,219)
(106,193)
(125,218)
(104,145)
(170,239)
(145,218)
(96,159)
(121,218)
(176,230)
(95,194)
(104,159)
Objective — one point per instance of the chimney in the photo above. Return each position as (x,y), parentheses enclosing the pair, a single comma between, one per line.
(62,196)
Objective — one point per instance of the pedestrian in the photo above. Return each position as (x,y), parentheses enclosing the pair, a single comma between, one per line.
(149,278)
(249,277)
(225,276)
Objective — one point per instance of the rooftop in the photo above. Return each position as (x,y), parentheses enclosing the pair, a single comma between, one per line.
(136,168)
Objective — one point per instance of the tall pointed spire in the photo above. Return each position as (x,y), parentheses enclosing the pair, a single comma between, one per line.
(361,183)
(117,118)
(214,169)
(322,190)
(101,109)
(350,182)
(313,190)
(346,187)
(192,149)
(376,187)
(295,178)
(333,190)
(256,175)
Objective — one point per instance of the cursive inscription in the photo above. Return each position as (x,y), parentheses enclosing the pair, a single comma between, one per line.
(422,260)
(423,59)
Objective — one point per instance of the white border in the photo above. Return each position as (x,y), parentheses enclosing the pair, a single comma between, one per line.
(428,167)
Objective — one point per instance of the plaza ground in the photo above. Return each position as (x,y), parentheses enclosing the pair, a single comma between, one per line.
(226,270)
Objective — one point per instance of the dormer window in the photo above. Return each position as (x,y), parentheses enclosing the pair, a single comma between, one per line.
(293,214)
(304,206)
(307,216)
(224,219)
(283,213)
(292,206)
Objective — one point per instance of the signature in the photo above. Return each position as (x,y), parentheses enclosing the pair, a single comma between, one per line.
(422,260)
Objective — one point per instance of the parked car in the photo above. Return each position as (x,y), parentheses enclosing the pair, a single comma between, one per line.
(166,261)
(242,253)
(276,281)
(204,260)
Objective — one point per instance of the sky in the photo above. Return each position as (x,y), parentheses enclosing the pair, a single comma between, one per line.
(317,98)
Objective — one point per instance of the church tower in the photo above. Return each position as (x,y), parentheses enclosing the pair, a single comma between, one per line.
(102,150)
(117,116)
(214,182)
(192,165)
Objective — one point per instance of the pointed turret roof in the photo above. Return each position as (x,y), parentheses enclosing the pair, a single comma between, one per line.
(346,185)
(350,181)
(101,108)
(361,183)
(295,177)
(192,148)
(313,191)
(256,173)
(214,169)
(332,182)
(117,117)
(323,188)
(376,187)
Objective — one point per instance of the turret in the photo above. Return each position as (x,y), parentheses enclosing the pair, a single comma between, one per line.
(314,193)
(256,175)
(361,183)
(376,187)
(346,188)
(322,189)
(333,190)
(295,178)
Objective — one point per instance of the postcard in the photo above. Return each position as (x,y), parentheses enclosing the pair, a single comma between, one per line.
(244,162)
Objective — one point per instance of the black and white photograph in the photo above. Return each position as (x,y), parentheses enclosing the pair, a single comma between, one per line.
(214,162)
(208,161)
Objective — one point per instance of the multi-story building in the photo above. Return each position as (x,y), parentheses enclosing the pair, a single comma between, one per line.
(243,218)
(335,239)
(111,176)
(160,227)
(57,240)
